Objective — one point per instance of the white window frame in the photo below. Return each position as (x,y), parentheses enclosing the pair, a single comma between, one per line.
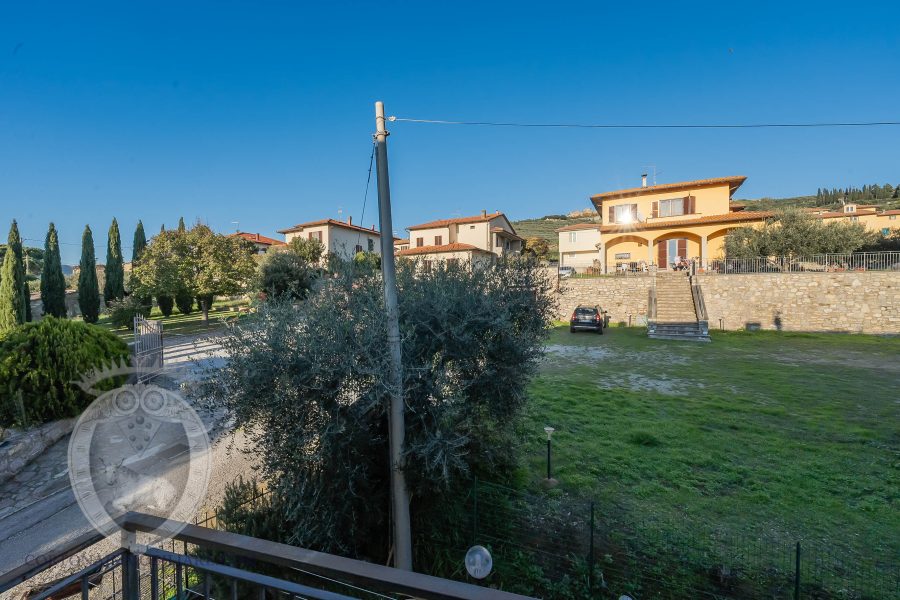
(622,213)
(572,236)
(665,207)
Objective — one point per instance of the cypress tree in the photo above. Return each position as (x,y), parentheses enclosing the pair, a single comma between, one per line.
(181,227)
(21,266)
(114,286)
(140,242)
(88,288)
(12,298)
(137,248)
(53,283)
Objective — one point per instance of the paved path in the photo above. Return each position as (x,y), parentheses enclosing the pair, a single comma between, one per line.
(37,508)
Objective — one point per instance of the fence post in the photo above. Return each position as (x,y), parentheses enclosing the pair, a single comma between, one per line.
(797,574)
(591,555)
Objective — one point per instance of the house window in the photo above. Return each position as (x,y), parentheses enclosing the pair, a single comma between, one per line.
(671,208)
(624,213)
(438,240)
(452,261)
(315,235)
(371,245)
(572,236)
(850,208)
(892,217)
(358,248)
(420,242)
(854,218)
(426,266)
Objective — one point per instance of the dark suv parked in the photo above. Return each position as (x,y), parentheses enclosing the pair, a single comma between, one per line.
(588,317)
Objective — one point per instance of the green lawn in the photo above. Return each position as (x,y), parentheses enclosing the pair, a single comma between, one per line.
(755,436)
(181,324)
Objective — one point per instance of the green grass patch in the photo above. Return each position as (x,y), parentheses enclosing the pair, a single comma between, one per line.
(181,324)
(756,436)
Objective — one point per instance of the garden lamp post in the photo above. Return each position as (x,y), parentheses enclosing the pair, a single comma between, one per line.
(549,431)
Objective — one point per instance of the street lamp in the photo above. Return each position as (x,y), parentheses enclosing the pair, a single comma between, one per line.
(549,431)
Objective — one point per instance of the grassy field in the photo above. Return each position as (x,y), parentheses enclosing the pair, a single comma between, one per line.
(763,435)
(180,324)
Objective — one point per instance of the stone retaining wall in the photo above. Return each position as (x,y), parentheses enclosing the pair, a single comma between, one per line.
(857,302)
(21,447)
(621,296)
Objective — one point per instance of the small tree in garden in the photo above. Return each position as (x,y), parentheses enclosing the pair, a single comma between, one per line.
(184,301)
(88,287)
(286,272)
(53,282)
(114,284)
(13,291)
(471,341)
(310,251)
(195,263)
(794,233)
(537,247)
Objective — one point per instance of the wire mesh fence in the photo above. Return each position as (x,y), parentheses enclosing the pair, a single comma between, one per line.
(818,263)
(569,547)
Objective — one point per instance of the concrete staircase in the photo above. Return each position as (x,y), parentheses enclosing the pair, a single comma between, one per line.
(676,316)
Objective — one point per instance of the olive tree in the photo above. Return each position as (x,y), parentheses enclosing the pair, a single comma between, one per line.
(795,233)
(471,340)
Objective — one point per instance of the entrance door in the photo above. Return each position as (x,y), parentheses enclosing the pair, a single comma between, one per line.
(668,251)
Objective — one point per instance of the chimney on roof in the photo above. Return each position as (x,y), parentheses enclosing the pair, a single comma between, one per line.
(644,180)
(483,212)
(349,220)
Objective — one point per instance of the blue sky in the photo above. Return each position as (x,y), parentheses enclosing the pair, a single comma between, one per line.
(262,112)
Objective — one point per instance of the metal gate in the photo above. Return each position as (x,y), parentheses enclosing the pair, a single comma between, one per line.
(148,348)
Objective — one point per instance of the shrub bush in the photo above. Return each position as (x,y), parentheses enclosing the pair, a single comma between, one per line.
(165,304)
(39,363)
(122,312)
(185,302)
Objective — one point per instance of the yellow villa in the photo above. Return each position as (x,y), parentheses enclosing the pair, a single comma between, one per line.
(669,224)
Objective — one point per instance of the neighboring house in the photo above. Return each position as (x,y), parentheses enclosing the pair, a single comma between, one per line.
(400,244)
(260,242)
(482,238)
(339,238)
(663,224)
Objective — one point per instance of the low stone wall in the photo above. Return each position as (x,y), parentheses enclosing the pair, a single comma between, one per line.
(857,302)
(624,297)
(19,448)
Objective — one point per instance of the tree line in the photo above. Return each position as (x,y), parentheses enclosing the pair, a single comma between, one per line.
(181,266)
(871,191)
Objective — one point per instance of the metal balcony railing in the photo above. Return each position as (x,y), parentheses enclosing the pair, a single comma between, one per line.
(140,572)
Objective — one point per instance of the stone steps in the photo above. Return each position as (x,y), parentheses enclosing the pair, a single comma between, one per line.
(676,316)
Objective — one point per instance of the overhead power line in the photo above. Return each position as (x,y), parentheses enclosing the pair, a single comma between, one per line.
(651,125)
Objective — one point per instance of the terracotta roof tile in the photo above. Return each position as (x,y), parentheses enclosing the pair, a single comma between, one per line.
(257,238)
(457,221)
(457,247)
(579,227)
(332,223)
(505,232)
(664,224)
(734,182)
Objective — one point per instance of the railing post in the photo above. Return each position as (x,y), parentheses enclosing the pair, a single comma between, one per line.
(131,579)
(591,555)
(797,573)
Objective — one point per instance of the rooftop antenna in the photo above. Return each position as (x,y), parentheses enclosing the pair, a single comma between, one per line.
(236,224)
(652,170)
(340,212)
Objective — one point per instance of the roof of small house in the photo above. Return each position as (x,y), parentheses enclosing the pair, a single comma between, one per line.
(733,182)
(331,223)
(443,248)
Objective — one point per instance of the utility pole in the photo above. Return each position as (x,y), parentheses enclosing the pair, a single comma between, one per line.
(397,425)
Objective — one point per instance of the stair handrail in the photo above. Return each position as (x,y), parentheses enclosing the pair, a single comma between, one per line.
(699,304)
